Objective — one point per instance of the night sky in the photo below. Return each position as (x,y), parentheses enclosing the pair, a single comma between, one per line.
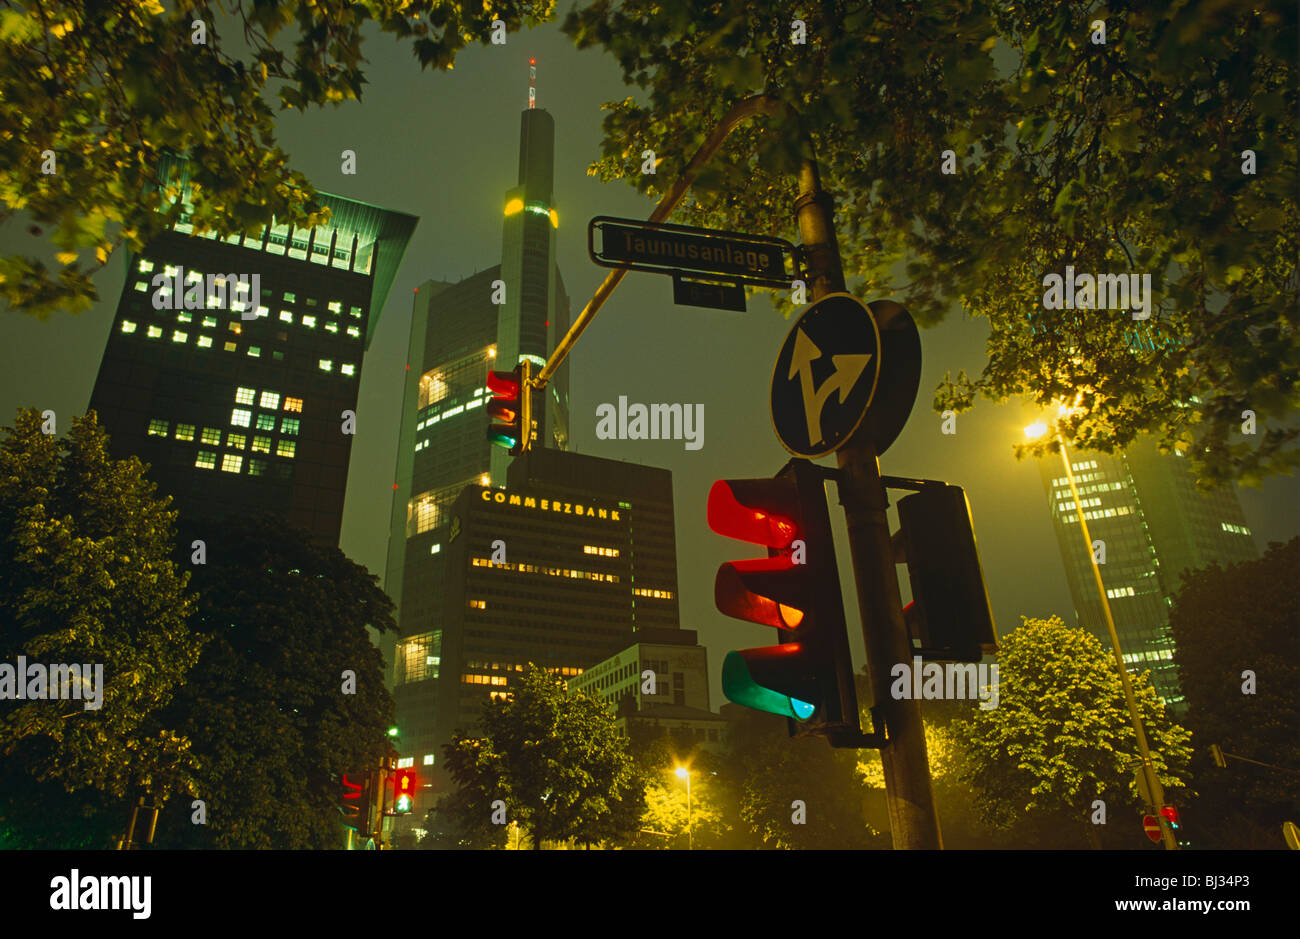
(444,147)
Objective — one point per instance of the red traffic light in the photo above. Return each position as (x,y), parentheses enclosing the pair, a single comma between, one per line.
(1170,815)
(760,511)
(404,792)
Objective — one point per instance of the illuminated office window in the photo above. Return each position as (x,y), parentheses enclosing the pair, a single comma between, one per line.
(285,448)
(335,306)
(428,759)
(141,286)
(206,460)
(128,326)
(205,342)
(331,327)
(178,336)
(145,265)
(229,347)
(435,548)
(265,422)
(240,417)
(326,365)
(234,327)
(289,425)
(230,463)
(289,298)
(263,311)
(309,322)
(355,312)
(261,444)
(235,441)
(211,436)
(255,351)
(293,404)
(154,332)
(478,604)
(157,428)
(348,369)
(269,400)
(184,318)
(184,431)
(286,316)
(209,322)
(245,396)
(354,332)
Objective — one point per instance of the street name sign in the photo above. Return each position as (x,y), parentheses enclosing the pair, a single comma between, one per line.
(661,248)
(709,295)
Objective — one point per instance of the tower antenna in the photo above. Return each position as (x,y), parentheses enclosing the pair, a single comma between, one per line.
(532,82)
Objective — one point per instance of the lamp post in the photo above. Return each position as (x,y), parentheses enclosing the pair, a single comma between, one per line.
(1040,429)
(684,773)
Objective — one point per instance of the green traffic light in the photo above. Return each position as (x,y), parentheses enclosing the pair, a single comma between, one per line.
(740,688)
(392,731)
(502,440)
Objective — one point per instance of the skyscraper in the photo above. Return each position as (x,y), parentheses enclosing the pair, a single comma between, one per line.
(235,400)
(491,320)
(1154,523)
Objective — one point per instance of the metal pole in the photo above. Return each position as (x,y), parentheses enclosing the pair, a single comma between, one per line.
(690,832)
(1153,781)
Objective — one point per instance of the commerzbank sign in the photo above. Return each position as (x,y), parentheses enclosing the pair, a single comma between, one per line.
(538,504)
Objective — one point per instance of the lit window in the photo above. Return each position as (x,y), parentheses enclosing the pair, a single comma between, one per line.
(263,311)
(184,318)
(309,322)
(265,422)
(157,428)
(355,312)
(229,347)
(293,404)
(205,342)
(331,327)
(255,351)
(211,436)
(235,441)
(428,759)
(145,265)
(141,286)
(354,332)
(277,355)
(286,316)
(326,365)
(435,548)
(178,336)
(289,425)
(311,301)
(269,400)
(245,395)
(170,270)
(154,332)
(128,326)
(478,604)
(285,448)
(335,306)
(184,431)
(234,327)
(348,369)
(206,460)
(230,463)
(240,417)
(209,322)
(256,467)
(289,298)
(261,444)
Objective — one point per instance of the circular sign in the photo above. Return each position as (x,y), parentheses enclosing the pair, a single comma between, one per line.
(845,364)
(1151,825)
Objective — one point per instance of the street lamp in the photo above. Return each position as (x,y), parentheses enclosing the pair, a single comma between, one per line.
(684,773)
(1035,431)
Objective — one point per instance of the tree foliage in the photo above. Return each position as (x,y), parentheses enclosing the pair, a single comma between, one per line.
(706,818)
(272,722)
(1225,622)
(87,577)
(557,761)
(109,87)
(1061,737)
(1119,157)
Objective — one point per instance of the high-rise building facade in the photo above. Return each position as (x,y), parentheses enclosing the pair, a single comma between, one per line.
(1153,524)
(563,567)
(236,401)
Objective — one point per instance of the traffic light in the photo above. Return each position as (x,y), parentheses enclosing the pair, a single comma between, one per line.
(404,792)
(949,612)
(1171,816)
(796,589)
(352,803)
(510,411)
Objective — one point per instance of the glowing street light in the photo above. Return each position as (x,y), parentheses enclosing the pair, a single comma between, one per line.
(684,773)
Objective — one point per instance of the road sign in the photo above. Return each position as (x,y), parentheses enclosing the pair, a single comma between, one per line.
(1292,835)
(1151,825)
(661,248)
(845,364)
(709,295)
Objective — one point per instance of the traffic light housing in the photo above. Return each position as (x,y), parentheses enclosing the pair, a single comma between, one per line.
(795,589)
(354,804)
(404,792)
(1170,814)
(949,613)
(510,410)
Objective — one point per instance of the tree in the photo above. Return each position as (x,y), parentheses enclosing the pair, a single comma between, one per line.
(1225,622)
(289,692)
(1060,738)
(92,96)
(668,815)
(557,762)
(1128,156)
(796,793)
(87,578)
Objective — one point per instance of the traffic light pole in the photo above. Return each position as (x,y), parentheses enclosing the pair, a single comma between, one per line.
(913,821)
